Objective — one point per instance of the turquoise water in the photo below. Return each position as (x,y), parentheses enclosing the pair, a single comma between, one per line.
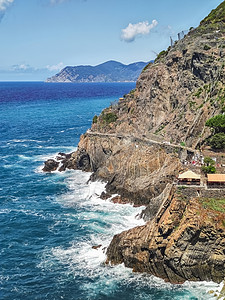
(49,222)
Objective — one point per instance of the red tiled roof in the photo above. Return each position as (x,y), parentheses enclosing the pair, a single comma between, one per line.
(216,177)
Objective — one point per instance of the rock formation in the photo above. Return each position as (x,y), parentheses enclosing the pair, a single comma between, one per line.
(138,145)
(184,241)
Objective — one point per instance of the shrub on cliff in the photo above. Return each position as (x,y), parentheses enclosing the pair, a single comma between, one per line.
(208,161)
(109,117)
(216,16)
(146,67)
(161,54)
(218,141)
(208,167)
(95,119)
(217,123)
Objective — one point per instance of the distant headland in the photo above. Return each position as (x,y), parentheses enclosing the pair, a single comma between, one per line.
(110,71)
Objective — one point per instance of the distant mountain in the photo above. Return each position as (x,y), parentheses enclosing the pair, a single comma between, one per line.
(110,71)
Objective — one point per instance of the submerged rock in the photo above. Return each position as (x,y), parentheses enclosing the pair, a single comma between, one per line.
(96,247)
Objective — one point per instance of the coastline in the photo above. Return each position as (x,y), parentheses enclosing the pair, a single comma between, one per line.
(139,146)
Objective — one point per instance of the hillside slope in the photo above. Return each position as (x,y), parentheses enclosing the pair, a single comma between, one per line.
(110,71)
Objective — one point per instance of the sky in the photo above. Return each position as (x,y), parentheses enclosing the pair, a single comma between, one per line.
(40,37)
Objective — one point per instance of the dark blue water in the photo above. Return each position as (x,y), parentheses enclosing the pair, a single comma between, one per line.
(49,222)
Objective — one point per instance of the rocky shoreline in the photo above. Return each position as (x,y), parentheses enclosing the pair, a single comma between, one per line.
(139,146)
(184,241)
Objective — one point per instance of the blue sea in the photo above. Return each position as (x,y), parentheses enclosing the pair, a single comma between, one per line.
(49,222)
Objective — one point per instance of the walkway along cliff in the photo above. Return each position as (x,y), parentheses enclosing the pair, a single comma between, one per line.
(138,147)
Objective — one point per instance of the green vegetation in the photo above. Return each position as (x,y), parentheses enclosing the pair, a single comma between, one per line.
(131,93)
(95,119)
(161,54)
(182,144)
(214,21)
(192,104)
(181,187)
(218,141)
(160,129)
(214,204)
(209,161)
(147,66)
(208,167)
(200,106)
(109,117)
(216,16)
(217,123)
(206,47)
(198,93)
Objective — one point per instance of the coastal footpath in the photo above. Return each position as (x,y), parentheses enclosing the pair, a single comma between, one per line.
(140,145)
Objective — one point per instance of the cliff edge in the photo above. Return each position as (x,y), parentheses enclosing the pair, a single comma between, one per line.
(184,241)
(140,144)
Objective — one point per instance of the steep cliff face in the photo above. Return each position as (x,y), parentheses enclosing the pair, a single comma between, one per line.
(129,144)
(137,146)
(133,168)
(178,93)
(185,240)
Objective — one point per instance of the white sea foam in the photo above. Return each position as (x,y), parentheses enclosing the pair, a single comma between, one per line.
(93,212)
(102,219)
(25,140)
(8,166)
(67,129)
(24,157)
(27,212)
(5,211)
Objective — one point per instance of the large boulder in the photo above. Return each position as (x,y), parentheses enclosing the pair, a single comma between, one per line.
(50,165)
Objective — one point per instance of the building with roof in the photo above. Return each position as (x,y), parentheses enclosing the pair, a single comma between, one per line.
(189,178)
(216,180)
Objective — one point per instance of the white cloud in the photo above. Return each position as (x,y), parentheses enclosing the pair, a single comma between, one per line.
(133,30)
(26,68)
(4,4)
(21,68)
(57,67)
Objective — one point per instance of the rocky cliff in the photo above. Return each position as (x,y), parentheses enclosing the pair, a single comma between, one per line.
(137,144)
(184,241)
(138,147)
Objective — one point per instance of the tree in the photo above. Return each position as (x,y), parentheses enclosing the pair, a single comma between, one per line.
(218,141)
(208,167)
(217,123)
(209,161)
